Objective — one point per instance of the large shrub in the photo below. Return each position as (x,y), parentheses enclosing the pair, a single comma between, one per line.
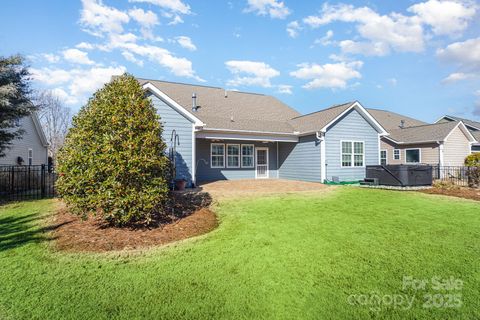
(113,162)
(473,162)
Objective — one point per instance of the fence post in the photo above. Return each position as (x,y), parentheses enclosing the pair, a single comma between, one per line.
(42,180)
(12,181)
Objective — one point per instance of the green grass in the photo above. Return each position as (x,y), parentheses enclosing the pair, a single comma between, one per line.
(277,257)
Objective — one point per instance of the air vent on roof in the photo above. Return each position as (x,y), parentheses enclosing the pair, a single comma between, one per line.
(226,94)
(402,124)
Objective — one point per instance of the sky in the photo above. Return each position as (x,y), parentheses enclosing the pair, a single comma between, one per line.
(418,58)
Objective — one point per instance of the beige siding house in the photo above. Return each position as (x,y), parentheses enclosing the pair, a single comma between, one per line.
(410,141)
(472,126)
(31,146)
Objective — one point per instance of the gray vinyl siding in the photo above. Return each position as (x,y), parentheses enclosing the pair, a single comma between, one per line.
(351,127)
(171,120)
(206,173)
(300,161)
(29,140)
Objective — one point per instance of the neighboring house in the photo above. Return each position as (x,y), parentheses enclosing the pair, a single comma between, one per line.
(31,146)
(472,126)
(412,141)
(233,135)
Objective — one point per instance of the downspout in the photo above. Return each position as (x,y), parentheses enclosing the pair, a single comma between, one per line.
(278,166)
(323,164)
(441,160)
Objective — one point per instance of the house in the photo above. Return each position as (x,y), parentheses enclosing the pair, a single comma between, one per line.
(412,141)
(472,126)
(31,147)
(232,135)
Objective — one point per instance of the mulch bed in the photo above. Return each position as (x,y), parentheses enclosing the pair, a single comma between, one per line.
(92,235)
(466,193)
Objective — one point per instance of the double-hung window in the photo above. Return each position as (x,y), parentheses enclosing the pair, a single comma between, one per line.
(396,154)
(233,156)
(247,155)
(217,155)
(383,157)
(353,153)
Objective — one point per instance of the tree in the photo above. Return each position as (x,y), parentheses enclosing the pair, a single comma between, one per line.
(473,171)
(113,162)
(55,119)
(14,98)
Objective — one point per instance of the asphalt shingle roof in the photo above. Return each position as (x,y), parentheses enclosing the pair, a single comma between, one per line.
(317,120)
(391,120)
(467,122)
(423,133)
(237,111)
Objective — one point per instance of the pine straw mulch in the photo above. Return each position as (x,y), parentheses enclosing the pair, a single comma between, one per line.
(459,192)
(192,218)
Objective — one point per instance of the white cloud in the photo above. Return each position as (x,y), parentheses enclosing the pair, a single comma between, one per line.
(385,32)
(50,57)
(293,29)
(64,96)
(250,73)
(458,76)
(76,56)
(364,47)
(445,17)
(186,42)
(466,56)
(130,57)
(284,88)
(175,6)
(85,46)
(98,19)
(146,19)
(274,8)
(330,75)
(393,81)
(326,39)
(80,82)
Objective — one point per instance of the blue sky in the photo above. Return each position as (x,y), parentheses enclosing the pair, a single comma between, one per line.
(419,58)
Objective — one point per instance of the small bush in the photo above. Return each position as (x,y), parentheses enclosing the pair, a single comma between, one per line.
(113,162)
(445,185)
(473,173)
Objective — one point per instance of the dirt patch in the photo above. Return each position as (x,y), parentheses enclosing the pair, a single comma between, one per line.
(92,235)
(251,187)
(466,193)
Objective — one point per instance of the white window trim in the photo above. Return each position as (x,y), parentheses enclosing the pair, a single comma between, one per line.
(211,155)
(353,154)
(399,154)
(253,155)
(30,158)
(419,156)
(386,156)
(227,155)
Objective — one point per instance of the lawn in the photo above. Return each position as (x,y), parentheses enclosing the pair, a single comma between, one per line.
(296,256)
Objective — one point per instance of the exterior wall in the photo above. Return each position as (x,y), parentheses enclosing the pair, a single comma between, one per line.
(351,127)
(171,120)
(456,148)
(300,161)
(429,153)
(29,140)
(206,173)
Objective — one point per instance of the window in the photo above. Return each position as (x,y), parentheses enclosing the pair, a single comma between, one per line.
(412,155)
(396,154)
(352,154)
(233,156)
(383,157)
(247,155)
(30,157)
(217,155)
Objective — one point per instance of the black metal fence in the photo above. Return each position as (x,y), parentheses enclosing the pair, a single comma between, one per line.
(27,182)
(461,176)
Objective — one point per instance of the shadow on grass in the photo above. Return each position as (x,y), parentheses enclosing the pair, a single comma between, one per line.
(17,231)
